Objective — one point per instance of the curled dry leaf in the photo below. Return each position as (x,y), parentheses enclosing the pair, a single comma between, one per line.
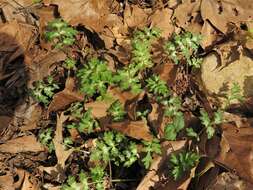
(135,129)
(98,108)
(22,144)
(7,182)
(64,98)
(209,35)
(236,150)
(159,169)
(29,182)
(222,13)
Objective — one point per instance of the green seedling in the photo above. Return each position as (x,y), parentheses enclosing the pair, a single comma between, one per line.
(114,147)
(86,124)
(97,176)
(182,162)
(76,110)
(59,32)
(209,124)
(45,138)
(149,148)
(191,133)
(158,88)
(95,78)
(184,47)
(234,95)
(173,106)
(116,111)
(72,183)
(44,91)
(69,64)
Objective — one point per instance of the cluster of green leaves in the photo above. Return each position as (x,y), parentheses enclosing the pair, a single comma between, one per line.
(184,47)
(182,162)
(172,110)
(86,124)
(129,77)
(158,88)
(45,138)
(116,111)
(95,78)
(115,147)
(210,123)
(85,182)
(149,148)
(44,91)
(59,32)
(69,63)
(235,94)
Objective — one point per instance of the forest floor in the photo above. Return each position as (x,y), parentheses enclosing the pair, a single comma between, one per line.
(126,94)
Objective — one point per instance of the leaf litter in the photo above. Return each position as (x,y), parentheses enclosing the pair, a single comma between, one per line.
(122,130)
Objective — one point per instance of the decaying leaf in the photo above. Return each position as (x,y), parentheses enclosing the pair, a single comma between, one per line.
(135,129)
(236,150)
(66,97)
(22,144)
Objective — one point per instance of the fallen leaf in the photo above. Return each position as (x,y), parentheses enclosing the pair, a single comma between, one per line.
(135,129)
(90,13)
(22,144)
(209,34)
(29,183)
(236,150)
(64,98)
(61,153)
(98,108)
(134,16)
(7,182)
(4,122)
(221,13)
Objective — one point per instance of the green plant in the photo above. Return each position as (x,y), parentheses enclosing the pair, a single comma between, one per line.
(149,148)
(209,124)
(116,111)
(95,78)
(234,94)
(182,162)
(191,133)
(173,105)
(76,110)
(172,129)
(97,175)
(141,47)
(60,33)
(114,147)
(158,87)
(45,138)
(86,124)
(72,184)
(44,91)
(184,47)
(69,63)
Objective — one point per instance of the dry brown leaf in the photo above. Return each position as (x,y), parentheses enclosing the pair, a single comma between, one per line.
(93,14)
(221,13)
(64,98)
(135,129)
(236,150)
(164,24)
(61,154)
(7,182)
(40,66)
(159,169)
(209,35)
(29,183)
(227,180)
(4,122)
(22,144)
(98,108)
(22,33)
(167,72)
(186,12)
(123,97)
(134,16)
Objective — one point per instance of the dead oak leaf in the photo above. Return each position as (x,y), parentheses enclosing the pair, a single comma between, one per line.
(221,12)
(135,129)
(90,13)
(61,153)
(237,150)
(22,144)
(65,97)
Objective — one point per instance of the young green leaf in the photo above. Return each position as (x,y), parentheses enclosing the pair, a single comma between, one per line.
(116,111)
